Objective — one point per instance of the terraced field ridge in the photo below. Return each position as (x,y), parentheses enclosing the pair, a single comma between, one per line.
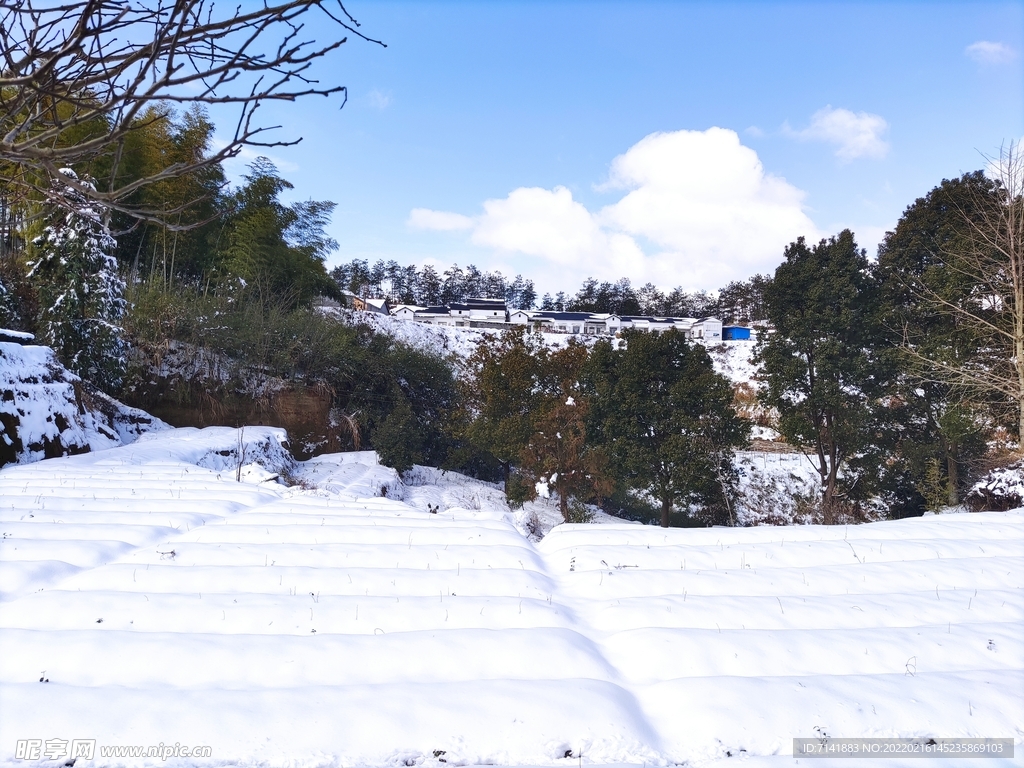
(159,593)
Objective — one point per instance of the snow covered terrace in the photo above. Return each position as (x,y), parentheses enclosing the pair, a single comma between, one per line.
(168,592)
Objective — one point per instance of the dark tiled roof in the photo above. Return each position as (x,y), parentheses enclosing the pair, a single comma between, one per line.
(489,303)
(581,316)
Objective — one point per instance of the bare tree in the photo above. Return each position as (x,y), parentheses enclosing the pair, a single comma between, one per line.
(77,78)
(987,263)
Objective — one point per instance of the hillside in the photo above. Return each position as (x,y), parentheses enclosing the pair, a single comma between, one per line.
(174,590)
(733,359)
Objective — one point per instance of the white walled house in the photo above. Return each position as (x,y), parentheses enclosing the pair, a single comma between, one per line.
(439,315)
(406,311)
(380,306)
(522,316)
(494,314)
(709,329)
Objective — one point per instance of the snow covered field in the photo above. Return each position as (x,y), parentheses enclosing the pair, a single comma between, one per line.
(324,624)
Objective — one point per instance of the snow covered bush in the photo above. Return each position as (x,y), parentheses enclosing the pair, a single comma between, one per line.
(8,316)
(81,294)
(999,490)
(775,500)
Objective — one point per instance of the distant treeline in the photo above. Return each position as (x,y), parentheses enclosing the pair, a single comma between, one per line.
(425,287)
(737,302)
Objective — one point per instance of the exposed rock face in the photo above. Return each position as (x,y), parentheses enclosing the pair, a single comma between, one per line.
(188,386)
(46,411)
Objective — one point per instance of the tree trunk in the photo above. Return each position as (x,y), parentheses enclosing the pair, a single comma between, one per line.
(952,477)
(1018,348)
(666,508)
(828,501)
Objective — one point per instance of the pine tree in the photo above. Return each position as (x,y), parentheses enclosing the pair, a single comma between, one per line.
(81,294)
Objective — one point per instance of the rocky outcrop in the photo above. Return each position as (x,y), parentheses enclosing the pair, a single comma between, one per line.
(188,386)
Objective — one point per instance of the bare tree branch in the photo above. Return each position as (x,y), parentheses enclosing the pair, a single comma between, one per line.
(104,65)
(990,260)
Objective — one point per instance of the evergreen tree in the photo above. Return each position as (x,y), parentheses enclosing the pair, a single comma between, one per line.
(428,287)
(81,294)
(503,396)
(558,452)
(399,437)
(454,286)
(942,430)
(817,366)
(410,280)
(651,300)
(668,420)
(520,294)
(743,302)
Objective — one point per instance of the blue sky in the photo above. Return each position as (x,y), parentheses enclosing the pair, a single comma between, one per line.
(568,139)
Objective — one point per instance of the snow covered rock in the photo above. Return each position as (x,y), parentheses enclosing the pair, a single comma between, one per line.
(46,411)
(999,490)
(15,337)
(251,454)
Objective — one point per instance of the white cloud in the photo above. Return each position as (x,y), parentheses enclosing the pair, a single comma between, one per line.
(379,99)
(706,200)
(698,210)
(855,134)
(988,52)
(424,218)
(551,225)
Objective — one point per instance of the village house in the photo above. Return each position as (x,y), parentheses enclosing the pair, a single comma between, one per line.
(494,314)
(406,311)
(437,315)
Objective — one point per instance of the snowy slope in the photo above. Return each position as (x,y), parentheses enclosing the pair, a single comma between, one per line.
(458,343)
(330,625)
(775,488)
(45,410)
(735,360)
